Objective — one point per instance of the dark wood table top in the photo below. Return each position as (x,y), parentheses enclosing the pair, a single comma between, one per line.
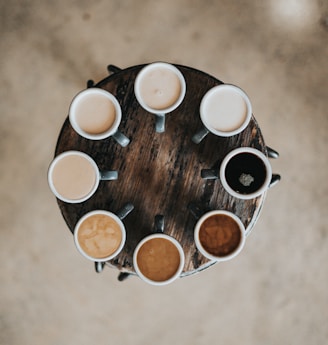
(160,173)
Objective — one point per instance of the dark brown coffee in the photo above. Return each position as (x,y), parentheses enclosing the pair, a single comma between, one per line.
(219,235)
(158,259)
(245,173)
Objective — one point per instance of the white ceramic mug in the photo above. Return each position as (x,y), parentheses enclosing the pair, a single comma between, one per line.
(73,176)
(100,235)
(96,114)
(158,258)
(225,110)
(245,173)
(219,235)
(160,88)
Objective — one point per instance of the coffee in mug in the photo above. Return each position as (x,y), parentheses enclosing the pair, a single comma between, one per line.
(225,110)
(158,259)
(245,173)
(96,114)
(160,88)
(99,235)
(73,176)
(219,235)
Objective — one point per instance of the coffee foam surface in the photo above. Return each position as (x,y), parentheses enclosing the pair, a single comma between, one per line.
(99,236)
(158,259)
(160,88)
(225,110)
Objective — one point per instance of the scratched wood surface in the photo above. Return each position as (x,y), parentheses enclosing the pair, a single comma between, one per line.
(159,173)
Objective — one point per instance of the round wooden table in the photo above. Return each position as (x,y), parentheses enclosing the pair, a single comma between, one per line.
(160,173)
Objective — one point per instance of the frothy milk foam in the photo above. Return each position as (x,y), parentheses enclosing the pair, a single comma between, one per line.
(73,177)
(225,110)
(95,113)
(160,88)
(99,236)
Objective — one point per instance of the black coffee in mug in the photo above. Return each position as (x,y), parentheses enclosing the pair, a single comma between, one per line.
(245,173)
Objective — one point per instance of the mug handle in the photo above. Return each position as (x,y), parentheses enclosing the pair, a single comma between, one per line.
(159,223)
(272,153)
(125,210)
(209,174)
(200,135)
(274,180)
(160,123)
(121,139)
(196,210)
(275,177)
(109,175)
(99,266)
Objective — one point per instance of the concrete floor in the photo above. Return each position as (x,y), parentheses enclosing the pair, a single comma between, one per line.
(275,292)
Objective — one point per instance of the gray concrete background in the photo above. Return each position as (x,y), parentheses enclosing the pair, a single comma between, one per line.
(275,292)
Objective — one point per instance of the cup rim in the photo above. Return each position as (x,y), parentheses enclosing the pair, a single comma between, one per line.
(138,81)
(176,274)
(109,214)
(53,164)
(235,131)
(79,130)
(257,153)
(202,249)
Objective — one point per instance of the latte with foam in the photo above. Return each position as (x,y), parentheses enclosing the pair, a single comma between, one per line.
(160,88)
(99,236)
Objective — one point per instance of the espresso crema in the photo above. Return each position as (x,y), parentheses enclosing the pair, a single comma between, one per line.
(160,88)
(219,235)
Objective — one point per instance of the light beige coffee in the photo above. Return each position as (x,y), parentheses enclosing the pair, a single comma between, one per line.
(99,236)
(225,110)
(160,88)
(73,176)
(158,259)
(95,113)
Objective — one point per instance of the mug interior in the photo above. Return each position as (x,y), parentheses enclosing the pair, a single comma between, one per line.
(161,269)
(105,114)
(225,110)
(219,235)
(245,173)
(157,92)
(99,235)
(73,176)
